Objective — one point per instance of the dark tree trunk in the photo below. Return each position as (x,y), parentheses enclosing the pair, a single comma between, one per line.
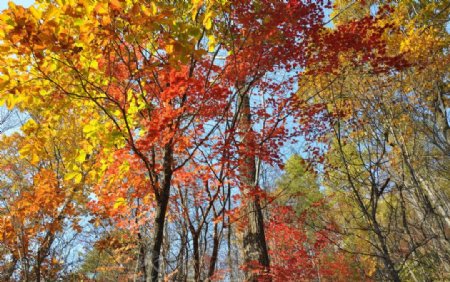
(196,249)
(255,248)
(38,272)
(43,252)
(162,202)
(388,263)
(215,252)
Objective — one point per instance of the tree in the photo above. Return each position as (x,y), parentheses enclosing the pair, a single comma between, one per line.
(299,254)
(302,243)
(8,120)
(39,201)
(298,186)
(164,89)
(388,150)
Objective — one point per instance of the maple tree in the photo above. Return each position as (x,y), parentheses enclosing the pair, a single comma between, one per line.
(166,112)
(302,245)
(299,255)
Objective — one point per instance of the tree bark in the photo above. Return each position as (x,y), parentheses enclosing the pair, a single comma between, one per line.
(256,256)
(215,252)
(162,202)
(181,276)
(386,256)
(196,249)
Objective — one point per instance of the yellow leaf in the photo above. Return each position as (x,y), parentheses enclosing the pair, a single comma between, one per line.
(124,168)
(154,8)
(207,21)
(94,65)
(34,159)
(10,101)
(196,4)
(119,202)
(36,14)
(11,5)
(145,10)
(52,12)
(29,126)
(90,129)
(81,156)
(169,48)
(101,9)
(76,176)
(4,81)
(24,150)
(52,67)
(211,43)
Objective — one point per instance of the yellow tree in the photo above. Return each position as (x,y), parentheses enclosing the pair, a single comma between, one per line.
(390,137)
(42,195)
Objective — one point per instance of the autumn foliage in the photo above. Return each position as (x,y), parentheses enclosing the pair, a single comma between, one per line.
(150,128)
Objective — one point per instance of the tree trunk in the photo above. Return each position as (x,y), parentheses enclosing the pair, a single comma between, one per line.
(256,257)
(215,252)
(196,249)
(141,272)
(386,257)
(162,202)
(180,276)
(38,272)
(255,249)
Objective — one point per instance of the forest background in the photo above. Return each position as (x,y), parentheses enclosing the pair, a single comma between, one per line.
(224,140)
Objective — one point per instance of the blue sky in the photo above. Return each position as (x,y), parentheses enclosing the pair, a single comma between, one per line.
(26,3)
